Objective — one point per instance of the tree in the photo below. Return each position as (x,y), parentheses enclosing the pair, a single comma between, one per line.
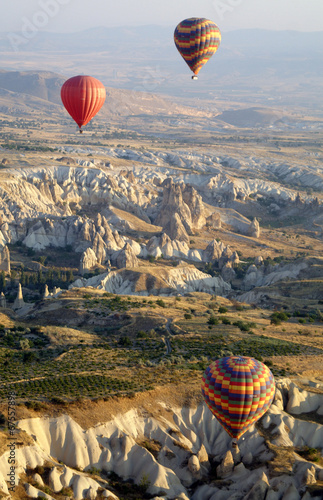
(2,281)
(70,276)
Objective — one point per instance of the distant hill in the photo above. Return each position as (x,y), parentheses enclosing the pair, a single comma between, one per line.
(251,117)
(43,84)
(16,87)
(259,64)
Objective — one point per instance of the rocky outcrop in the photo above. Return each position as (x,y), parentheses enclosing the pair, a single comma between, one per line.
(227,273)
(214,221)
(126,258)
(176,229)
(157,281)
(3,302)
(213,251)
(267,275)
(254,229)
(19,300)
(181,212)
(194,201)
(188,437)
(78,232)
(88,261)
(259,261)
(166,247)
(5,259)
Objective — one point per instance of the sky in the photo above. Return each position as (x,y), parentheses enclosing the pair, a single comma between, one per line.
(77,15)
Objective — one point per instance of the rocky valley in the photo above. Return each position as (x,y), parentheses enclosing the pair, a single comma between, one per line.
(168,234)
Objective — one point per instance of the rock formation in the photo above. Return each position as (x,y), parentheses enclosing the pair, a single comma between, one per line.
(19,300)
(126,258)
(181,206)
(176,229)
(3,302)
(46,292)
(254,229)
(227,273)
(5,259)
(187,437)
(213,251)
(259,260)
(88,261)
(225,257)
(214,221)
(157,281)
(194,201)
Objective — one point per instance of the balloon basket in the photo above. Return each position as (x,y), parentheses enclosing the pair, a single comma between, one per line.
(194,77)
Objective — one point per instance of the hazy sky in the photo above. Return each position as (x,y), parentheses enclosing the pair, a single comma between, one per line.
(76,15)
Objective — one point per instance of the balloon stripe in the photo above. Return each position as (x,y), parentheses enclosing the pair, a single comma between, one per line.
(197,39)
(238,390)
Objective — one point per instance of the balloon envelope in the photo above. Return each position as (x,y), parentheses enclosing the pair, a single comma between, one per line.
(197,39)
(238,390)
(83,96)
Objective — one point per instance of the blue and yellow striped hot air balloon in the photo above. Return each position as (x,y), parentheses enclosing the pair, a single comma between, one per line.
(197,39)
(238,390)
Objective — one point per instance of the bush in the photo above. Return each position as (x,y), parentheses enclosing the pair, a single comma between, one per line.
(212,321)
(187,316)
(225,321)
(125,341)
(282,316)
(223,310)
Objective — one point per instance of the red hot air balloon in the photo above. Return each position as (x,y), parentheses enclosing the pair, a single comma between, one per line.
(83,96)
(238,390)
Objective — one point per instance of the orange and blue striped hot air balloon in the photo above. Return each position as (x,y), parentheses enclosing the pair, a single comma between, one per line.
(238,390)
(197,39)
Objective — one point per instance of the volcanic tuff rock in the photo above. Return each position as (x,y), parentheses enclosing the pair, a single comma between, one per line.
(175,228)
(126,257)
(156,281)
(88,261)
(267,275)
(184,203)
(5,259)
(227,273)
(188,438)
(79,232)
(254,229)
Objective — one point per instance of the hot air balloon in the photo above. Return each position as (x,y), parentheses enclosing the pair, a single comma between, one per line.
(197,39)
(238,390)
(83,96)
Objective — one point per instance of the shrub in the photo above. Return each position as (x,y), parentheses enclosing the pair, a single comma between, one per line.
(187,316)
(225,321)
(223,310)
(212,320)
(125,341)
